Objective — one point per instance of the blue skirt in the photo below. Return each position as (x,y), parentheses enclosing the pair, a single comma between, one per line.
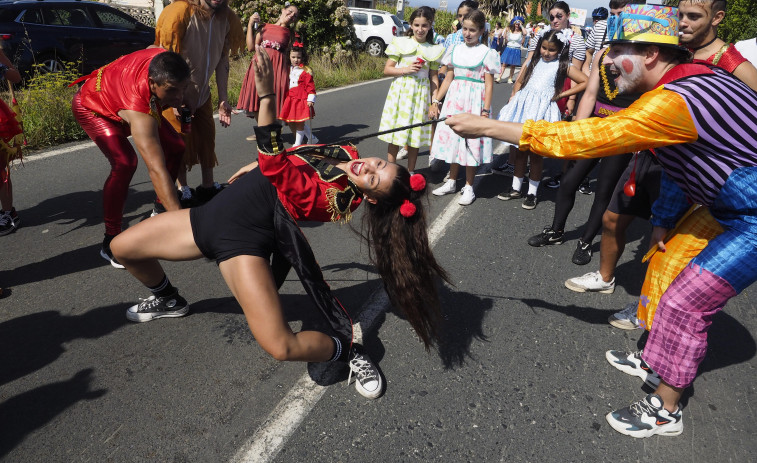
(510,57)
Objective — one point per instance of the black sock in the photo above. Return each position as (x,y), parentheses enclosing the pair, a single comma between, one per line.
(164,288)
(341,352)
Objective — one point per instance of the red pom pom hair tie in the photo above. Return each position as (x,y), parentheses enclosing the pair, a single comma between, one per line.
(407,209)
(417,182)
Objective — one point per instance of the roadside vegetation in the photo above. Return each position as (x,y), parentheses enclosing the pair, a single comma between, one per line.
(45,101)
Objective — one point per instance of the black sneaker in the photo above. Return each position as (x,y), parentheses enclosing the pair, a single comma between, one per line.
(9,221)
(646,418)
(554,182)
(546,237)
(585,188)
(205,194)
(187,198)
(504,169)
(582,254)
(368,380)
(158,307)
(513,194)
(530,202)
(106,253)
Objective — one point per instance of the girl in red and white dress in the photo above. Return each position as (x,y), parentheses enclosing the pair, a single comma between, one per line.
(298,107)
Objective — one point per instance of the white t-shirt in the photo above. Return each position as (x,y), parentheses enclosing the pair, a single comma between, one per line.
(748,49)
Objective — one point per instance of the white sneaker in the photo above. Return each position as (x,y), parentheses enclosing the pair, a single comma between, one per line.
(467,196)
(402,153)
(590,282)
(368,380)
(313,140)
(447,187)
(626,319)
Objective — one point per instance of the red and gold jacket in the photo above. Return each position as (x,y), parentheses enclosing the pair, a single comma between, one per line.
(309,187)
(727,57)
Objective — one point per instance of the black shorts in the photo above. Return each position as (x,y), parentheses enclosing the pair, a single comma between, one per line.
(237,221)
(648,173)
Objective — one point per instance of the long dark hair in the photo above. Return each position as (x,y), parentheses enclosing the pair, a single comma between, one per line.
(563,56)
(399,248)
(478,18)
(423,12)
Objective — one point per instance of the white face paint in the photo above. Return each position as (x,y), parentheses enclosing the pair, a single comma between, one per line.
(627,67)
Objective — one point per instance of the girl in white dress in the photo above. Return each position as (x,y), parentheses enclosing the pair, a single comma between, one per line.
(413,61)
(542,86)
(468,85)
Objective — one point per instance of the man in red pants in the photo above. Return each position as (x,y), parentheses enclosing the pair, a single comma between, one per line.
(126,97)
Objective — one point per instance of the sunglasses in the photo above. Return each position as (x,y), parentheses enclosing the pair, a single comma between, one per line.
(559,16)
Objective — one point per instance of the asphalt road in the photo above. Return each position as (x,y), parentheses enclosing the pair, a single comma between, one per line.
(520,375)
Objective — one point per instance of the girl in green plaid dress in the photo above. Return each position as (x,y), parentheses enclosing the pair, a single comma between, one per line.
(413,61)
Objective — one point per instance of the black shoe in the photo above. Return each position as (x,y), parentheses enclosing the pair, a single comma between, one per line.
(546,237)
(513,194)
(106,253)
(188,198)
(582,254)
(205,194)
(158,307)
(530,202)
(368,381)
(585,188)
(9,221)
(505,169)
(554,182)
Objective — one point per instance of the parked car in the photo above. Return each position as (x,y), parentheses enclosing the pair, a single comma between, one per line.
(375,28)
(49,32)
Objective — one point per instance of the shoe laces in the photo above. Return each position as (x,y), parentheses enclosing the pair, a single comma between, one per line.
(5,218)
(362,368)
(630,310)
(148,303)
(186,193)
(643,407)
(216,186)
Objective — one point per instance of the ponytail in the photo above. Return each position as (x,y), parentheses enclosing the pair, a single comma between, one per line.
(396,231)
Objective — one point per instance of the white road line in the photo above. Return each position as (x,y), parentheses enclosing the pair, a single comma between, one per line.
(291,411)
(44,154)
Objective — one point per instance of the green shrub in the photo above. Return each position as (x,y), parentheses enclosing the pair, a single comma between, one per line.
(326,25)
(326,73)
(46,107)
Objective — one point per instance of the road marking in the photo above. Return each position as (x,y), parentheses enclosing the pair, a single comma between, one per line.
(78,146)
(291,411)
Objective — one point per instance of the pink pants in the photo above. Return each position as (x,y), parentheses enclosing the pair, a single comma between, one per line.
(111,138)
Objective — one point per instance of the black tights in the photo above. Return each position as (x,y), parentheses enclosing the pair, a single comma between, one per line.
(610,170)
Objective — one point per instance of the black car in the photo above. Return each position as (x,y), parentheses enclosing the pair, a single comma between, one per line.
(49,32)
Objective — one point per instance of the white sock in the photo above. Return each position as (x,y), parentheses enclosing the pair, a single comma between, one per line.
(517,183)
(298,137)
(533,185)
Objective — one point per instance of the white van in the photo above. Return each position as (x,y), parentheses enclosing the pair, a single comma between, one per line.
(375,28)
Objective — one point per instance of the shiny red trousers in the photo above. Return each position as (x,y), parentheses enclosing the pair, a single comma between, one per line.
(112,139)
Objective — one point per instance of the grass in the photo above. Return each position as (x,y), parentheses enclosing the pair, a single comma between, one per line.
(46,100)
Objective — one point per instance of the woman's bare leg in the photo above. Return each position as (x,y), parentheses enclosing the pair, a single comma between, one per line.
(167,236)
(252,284)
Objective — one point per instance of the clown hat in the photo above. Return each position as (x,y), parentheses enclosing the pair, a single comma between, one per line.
(646,24)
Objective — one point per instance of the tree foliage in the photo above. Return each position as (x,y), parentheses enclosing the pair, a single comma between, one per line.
(325,25)
(740,23)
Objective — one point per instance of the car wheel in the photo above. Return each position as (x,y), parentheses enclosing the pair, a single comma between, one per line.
(49,63)
(374,47)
